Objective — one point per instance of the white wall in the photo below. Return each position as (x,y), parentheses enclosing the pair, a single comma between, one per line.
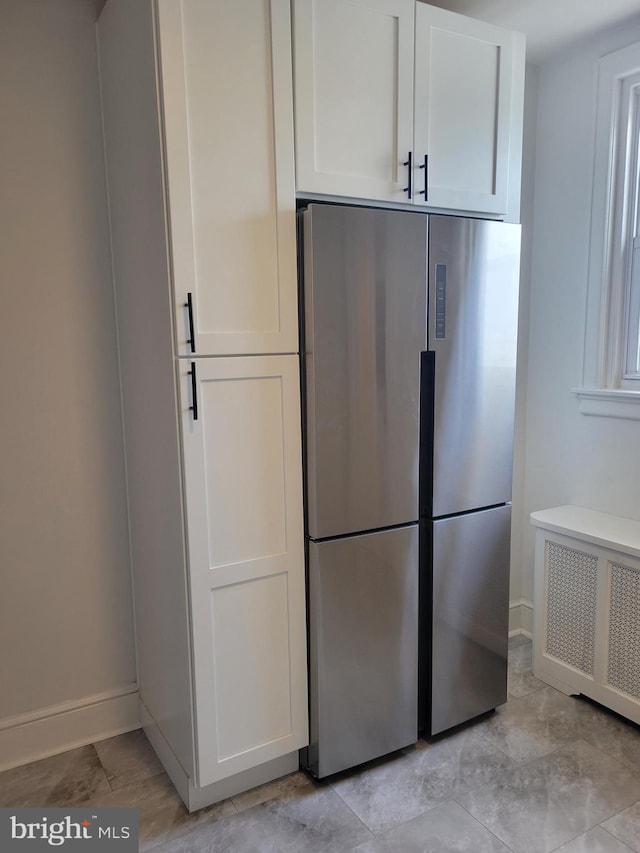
(521,611)
(65,601)
(569,457)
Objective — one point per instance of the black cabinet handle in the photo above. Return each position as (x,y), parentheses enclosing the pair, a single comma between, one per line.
(425,166)
(194,391)
(192,337)
(409,164)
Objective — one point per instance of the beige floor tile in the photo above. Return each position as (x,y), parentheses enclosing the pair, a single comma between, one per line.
(626,826)
(393,791)
(445,829)
(128,758)
(63,780)
(162,815)
(539,807)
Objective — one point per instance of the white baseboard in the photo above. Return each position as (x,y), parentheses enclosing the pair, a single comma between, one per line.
(521,617)
(198,798)
(58,728)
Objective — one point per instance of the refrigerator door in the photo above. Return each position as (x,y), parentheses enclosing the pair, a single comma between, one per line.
(470,616)
(473,317)
(365,275)
(363,648)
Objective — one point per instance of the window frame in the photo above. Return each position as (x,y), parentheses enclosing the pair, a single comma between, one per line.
(631,374)
(624,329)
(610,388)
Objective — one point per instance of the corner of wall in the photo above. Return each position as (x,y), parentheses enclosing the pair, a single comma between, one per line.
(521,608)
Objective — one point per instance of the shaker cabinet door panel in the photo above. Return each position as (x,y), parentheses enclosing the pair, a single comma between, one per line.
(462,110)
(242,463)
(228,125)
(354,91)
(377,79)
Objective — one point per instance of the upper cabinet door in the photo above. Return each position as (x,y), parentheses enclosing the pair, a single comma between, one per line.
(354,96)
(227,105)
(462,111)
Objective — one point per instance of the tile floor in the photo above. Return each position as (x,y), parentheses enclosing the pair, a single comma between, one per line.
(544,773)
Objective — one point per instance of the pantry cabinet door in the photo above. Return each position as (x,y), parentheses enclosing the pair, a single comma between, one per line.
(227,106)
(242,469)
(462,111)
(353,66)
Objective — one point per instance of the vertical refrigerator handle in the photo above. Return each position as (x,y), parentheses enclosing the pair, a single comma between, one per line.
(427,414)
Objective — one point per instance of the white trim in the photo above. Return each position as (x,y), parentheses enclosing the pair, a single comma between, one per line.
(66,707)
(560,685)
(521,617)
(58,728)
(196,798)
(167,756)
(609,402)
(605,335)
(199,798)
(632,309)
(587,525)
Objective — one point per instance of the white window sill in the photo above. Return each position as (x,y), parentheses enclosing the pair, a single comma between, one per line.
(609,402)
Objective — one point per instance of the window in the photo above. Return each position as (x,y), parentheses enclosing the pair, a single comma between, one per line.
(625,260)
(632,366)
(631,362)
(612,352)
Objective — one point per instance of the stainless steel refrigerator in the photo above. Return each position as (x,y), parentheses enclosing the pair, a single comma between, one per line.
(409,333)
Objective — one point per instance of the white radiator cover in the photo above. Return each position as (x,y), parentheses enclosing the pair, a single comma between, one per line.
(587,606)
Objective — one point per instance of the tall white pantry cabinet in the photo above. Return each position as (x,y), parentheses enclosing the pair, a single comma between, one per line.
(198,118)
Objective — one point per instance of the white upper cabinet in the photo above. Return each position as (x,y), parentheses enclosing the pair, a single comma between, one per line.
(379,83)
(354,96)
(228,125)
(462,110)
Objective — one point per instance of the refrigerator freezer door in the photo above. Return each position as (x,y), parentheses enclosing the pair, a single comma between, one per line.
(473,318)
(365,278)
(470,616)
(363,647)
